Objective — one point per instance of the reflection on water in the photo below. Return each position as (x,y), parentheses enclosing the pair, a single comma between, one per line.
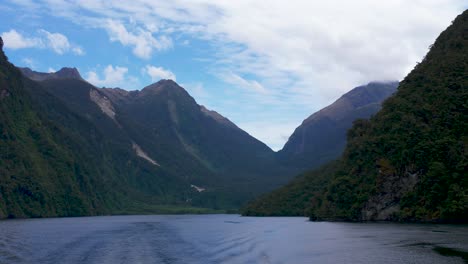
(226,239)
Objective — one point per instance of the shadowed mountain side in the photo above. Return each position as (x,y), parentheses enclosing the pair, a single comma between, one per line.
(170,133)
(322,136)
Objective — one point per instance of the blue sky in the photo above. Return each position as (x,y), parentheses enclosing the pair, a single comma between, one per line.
(265,65)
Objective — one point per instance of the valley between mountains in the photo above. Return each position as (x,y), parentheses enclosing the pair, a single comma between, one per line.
(386,150)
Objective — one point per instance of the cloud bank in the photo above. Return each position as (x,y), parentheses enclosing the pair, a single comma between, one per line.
(272,55)
(44,39)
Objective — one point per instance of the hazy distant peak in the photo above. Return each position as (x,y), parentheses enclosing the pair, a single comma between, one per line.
(373,92)
(64,73)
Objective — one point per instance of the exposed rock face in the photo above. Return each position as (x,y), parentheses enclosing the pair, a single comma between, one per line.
(197,188)
(103,102)
(1,43)
(391,186)
(116,95)
(140,153)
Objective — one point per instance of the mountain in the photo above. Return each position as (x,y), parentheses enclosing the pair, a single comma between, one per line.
(165,124)
(322,136)
(409,162)
(64,73)
(43,172)
(68,148)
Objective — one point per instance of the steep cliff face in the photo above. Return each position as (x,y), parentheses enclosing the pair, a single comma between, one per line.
(392,186)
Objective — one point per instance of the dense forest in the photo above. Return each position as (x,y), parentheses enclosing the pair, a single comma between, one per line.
(409,162)
(68,148)
(54,162)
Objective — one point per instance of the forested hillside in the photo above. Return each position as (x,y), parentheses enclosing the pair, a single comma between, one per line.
(68,148)
(410,161)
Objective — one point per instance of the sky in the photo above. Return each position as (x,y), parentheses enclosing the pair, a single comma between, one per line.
(265,65)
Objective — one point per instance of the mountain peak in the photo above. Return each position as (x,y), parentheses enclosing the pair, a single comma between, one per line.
(1,44)
(64,73)
(162,85)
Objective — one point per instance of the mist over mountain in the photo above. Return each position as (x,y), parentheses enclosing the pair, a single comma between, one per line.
(408,162)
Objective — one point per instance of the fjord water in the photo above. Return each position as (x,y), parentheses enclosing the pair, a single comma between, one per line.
(223,239)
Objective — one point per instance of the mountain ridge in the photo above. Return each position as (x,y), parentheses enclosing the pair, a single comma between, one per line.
(409,162)
(321,137)
(63,73)
(164,126)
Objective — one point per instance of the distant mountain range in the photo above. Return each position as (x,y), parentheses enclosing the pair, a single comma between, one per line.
(69,148)
(322,136)
(409,162)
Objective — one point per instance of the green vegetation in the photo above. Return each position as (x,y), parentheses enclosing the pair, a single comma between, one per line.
(62,155)
(294,199)
(54,162)
(410,161)
(39,175)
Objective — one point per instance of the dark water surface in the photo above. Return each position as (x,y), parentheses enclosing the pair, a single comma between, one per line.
(225,239)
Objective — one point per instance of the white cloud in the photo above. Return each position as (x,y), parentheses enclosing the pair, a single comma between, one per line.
(274,134)
(158,73)
(29,62)
(78,51)
(199,93)
(142,41)
(240,82)
(113,77)
(14,40)
(320,49)
(297,54)
(57,42)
